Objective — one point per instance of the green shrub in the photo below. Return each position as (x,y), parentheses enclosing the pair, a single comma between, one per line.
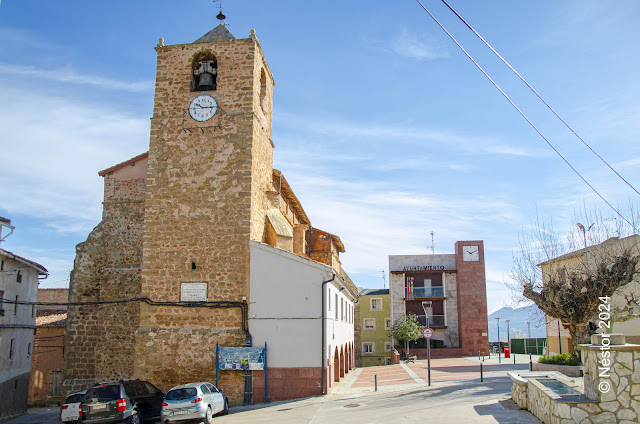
(562,359)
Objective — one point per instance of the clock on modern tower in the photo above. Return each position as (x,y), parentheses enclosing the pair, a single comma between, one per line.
(470,253)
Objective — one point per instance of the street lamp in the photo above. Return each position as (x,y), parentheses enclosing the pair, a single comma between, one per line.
(584,236)
(498,325)
(508,335)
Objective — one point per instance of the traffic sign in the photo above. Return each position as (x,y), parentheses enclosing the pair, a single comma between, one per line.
(427,333)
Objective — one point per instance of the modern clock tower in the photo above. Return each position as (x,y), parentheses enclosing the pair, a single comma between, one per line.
(210,162)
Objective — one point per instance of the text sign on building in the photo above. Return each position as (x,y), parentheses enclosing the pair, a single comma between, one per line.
(427,333)
(193,292)
(422,263)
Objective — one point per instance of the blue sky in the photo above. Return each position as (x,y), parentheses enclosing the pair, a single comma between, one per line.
(383,128)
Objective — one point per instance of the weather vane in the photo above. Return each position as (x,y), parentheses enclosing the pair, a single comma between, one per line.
(220,16)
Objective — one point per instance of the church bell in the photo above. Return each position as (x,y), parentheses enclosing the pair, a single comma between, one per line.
(205,81)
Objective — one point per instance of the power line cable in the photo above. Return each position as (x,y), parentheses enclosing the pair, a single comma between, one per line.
(522,113)
(538,95)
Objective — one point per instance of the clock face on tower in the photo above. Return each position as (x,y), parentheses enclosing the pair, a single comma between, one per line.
(203,107)
(470,253)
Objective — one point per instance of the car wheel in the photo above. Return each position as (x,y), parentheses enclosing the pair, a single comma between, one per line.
(209,417)
(225,411)
(133,419)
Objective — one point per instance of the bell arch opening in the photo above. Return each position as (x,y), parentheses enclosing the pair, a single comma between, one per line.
(204,74)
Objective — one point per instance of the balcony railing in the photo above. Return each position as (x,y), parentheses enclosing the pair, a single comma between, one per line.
(424,292)
(434,320)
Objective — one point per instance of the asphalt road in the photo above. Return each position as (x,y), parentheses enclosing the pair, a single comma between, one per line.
(466,403)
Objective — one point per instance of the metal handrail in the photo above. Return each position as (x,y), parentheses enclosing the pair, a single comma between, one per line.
(426,292)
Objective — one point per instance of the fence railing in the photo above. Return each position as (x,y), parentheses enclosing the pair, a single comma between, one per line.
(434,320)
(423,292)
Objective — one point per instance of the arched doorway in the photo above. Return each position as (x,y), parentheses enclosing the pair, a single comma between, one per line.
(336,366)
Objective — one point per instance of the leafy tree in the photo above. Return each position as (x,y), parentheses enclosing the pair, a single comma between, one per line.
(407,329)
(518,334)
(568,280)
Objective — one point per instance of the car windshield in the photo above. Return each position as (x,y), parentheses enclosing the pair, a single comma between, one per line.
(104,393)
(179,394)
(74,398)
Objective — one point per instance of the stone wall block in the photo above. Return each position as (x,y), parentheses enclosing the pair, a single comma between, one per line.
(627,414)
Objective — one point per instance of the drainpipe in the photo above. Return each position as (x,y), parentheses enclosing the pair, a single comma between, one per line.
(5,223)
(324,362)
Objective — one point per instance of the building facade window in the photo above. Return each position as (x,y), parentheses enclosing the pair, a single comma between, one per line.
(1,303)
(12,348)
(336,306)
(387,323)
(15,307)
(329,299)
(367,348)
(376,304)
(369,324)
(19,277)
(29,350)
(387,346)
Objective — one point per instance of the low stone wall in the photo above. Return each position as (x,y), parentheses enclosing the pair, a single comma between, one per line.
(611,388)
(568,370)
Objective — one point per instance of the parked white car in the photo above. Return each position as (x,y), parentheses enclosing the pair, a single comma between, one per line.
(194,401)
(70,410)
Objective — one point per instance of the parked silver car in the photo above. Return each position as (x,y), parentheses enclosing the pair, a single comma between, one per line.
(194,401)
(70,410)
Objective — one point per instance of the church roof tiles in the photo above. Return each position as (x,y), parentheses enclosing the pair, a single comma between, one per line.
(219,33)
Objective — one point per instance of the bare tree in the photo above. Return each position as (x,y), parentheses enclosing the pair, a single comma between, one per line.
(568,280)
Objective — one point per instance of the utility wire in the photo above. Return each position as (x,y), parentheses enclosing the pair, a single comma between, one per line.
(538,95)
(522,113)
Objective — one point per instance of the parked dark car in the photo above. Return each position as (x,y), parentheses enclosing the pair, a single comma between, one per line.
(128,401)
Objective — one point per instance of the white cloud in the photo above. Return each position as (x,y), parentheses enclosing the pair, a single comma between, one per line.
(53,149)
(392,133)
(68,75)
(375,220)
(417,47)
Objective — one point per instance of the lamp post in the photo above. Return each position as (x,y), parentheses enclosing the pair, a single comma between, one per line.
(584,236)
(498,325)
(508,336)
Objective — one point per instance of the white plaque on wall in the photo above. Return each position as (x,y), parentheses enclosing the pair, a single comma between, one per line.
(193,292)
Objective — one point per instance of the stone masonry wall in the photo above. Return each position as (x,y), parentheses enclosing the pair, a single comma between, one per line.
(621,402)
(204,179)
(99,338)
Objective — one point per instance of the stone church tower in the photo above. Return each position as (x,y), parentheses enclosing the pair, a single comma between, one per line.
(179,231)
(210,161)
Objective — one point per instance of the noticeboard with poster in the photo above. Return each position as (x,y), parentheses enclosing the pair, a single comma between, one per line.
(240,358)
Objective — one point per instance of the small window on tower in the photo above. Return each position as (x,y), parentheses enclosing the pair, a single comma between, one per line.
(205,72)
(263,90)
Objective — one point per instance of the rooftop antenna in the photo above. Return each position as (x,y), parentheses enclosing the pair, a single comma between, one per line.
(432,247)
(220,16)
(384,281)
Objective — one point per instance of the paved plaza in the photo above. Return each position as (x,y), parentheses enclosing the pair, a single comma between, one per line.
(443,370)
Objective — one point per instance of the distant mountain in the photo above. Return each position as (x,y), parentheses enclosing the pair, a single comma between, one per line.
(517,322)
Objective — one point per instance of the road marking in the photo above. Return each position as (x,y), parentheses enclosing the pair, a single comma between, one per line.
(413,374)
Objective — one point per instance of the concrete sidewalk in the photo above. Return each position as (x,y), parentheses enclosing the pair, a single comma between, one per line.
(413,375)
